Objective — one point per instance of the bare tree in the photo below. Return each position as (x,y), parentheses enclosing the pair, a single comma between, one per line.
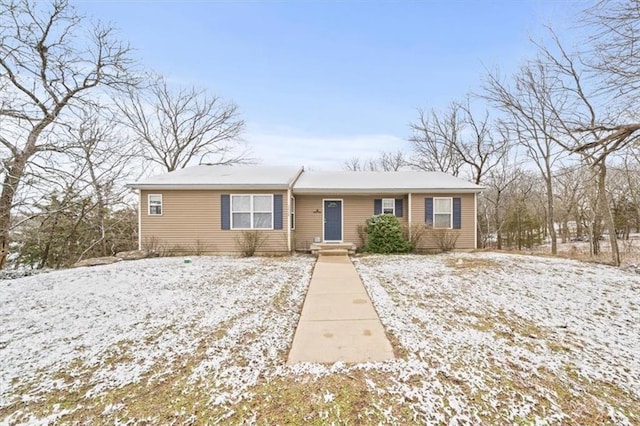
(433,137)
(386,161)
(613,43)
(103,157)
(594,137)
(83,208)
(526,101)
(176,127)
(631,168)
(567,181)
(456,138)
(391,161)
(50,63)
(353,164)
(500,185)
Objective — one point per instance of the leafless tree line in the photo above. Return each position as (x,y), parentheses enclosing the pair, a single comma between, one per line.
(551,132)
(77,118)
(555,144)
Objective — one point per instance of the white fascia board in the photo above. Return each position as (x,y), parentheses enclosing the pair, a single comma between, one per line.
(252,187)
(368,191)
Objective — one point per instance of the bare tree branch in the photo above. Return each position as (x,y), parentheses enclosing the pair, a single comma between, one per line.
(47,70)
(176,127)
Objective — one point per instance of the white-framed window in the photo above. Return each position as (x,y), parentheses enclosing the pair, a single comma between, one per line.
(252,211)
(292,207)
(155,204)
(388,206)
(442,212)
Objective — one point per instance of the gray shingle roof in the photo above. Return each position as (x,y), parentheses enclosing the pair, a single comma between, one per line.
(222,177)
(381,182)
(308,182)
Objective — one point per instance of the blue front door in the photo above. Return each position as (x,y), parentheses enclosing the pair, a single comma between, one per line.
(333,220)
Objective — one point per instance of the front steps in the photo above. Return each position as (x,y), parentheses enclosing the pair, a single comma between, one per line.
(332,249)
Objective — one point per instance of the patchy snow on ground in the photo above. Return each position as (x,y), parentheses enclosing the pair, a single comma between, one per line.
(629,250)
(101,328)
(527,337)
(480,338)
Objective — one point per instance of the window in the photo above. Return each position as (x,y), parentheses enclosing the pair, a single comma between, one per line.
(388,206)
(442,212)
(251,212)
(155,204)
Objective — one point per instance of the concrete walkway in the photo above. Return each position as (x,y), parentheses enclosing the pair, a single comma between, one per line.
(338,321)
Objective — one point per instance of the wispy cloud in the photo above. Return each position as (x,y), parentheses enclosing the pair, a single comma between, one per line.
(286,146)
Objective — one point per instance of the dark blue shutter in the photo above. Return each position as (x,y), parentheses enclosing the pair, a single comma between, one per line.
(398,207)
(428,211)
(377,206)
(457,213)
(225,211)
(277,211)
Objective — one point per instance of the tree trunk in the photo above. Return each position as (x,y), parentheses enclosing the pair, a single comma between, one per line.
(496,217)
(44,259)
(12,180)
(607,214)
(9,190)
(550,215)
(579,230)
(595,235)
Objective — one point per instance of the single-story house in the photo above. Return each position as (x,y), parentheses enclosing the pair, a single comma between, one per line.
(207,208)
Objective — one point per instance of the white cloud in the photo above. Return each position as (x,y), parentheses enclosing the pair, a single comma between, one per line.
(286,146)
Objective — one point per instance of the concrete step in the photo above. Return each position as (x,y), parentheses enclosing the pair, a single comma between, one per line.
(317,248)
(333,252)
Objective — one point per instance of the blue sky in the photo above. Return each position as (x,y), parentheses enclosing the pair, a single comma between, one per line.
(320,82)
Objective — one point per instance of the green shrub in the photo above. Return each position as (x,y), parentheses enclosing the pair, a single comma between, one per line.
(384,235)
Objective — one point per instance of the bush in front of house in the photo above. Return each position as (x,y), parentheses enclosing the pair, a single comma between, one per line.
(444,239)
(384,235)
(249,242)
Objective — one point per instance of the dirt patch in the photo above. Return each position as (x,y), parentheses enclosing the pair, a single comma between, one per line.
(471,263)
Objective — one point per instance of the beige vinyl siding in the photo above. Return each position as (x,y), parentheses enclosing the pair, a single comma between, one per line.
(467,238)
(356,210)
(191,218)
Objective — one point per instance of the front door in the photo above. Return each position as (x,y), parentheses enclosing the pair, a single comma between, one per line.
(332,220)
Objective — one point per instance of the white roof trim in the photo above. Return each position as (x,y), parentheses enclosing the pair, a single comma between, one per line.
(302,182)
(243,187)
(368,191)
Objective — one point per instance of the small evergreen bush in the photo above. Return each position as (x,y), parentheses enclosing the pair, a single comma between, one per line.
(384,235)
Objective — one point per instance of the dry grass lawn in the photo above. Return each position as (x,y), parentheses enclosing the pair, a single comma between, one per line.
(481,338)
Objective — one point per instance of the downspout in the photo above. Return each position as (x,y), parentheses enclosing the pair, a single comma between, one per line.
(409,215)
(140,219)
(289,219)
(289,195)
(475,220)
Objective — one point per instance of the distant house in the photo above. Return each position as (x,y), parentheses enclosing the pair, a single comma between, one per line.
(208,207)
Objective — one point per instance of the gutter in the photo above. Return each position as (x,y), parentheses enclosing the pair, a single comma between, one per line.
(373,191)
(140,220)
(248,187)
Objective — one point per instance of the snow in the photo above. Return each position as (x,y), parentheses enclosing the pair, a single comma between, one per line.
(510,317)
(381,181)
(220,176)
(146,314)
(509,338)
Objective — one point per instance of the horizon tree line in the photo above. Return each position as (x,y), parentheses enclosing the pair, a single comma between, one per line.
(555,143)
